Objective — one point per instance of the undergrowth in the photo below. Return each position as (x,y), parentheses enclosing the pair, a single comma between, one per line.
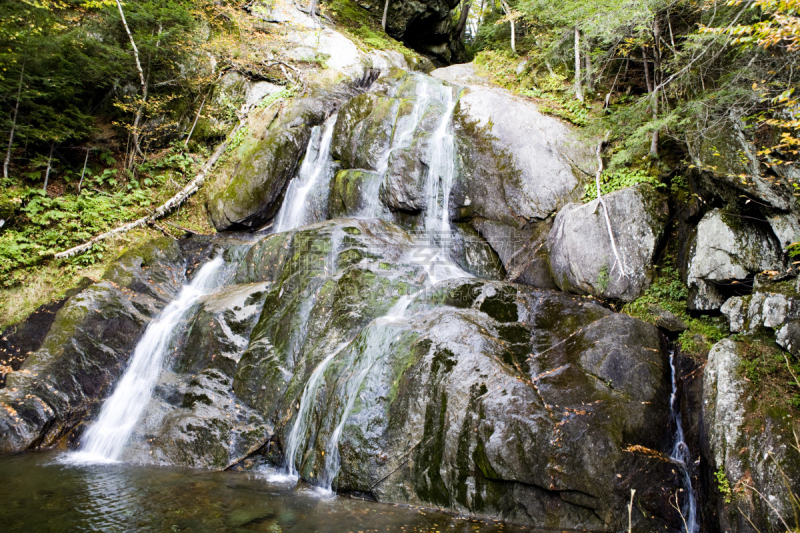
(615,180)
(669,293)
(39,225)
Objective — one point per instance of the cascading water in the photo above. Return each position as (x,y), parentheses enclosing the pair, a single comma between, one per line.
(680,453)
(295,209)
(106,438)
(298,434)
(432,253)
(379,335)
(440,178)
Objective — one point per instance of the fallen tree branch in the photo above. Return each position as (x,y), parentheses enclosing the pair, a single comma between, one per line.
(191,188)
(600,201)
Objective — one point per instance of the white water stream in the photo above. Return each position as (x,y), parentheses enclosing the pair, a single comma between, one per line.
(296,208)
(681,455)
(431,251)
(107,437)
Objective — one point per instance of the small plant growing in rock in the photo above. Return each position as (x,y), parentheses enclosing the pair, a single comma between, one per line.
(603,279)
(724,485)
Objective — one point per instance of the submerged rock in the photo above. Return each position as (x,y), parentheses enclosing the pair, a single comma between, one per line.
(579,248)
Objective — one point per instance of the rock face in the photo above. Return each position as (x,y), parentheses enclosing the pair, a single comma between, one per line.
(752,446)
(482,397)
(728,150)
(724,249)
(581,257)
(246,194)
(87,347)
(446,406)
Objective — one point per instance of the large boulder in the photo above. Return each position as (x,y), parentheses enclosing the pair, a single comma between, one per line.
(263,158)
(581,256)
(752,446)
(483,397)
(537,155)
(726,249)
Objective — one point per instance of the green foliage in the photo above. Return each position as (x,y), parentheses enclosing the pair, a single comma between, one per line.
(551,87)
(285,93)
(771,371)
(670,293)
(614,180)
(603,278)
(40,225)
(723,485)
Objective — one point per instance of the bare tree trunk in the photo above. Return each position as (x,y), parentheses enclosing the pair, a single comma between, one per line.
(13,123)
(49,160)
(654,92)
(578,88)
(85,161)
(385,12)
(186,144)
(312,10)
(507,10)
(136,121)
(133,44)
(647,71)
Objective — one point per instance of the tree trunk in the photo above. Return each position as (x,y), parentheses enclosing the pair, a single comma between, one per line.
(578,88)
(133,44)
(588,65)
(186,144)
(85,161)
(49,160)
(646,71)
(138,118)
(462,19)
(312,10)
(656,81)
(385,12)
(13,123)
(507,10)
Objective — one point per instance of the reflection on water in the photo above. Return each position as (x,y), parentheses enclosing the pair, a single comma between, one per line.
(39,494)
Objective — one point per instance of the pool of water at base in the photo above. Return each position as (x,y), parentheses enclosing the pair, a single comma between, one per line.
(37,493)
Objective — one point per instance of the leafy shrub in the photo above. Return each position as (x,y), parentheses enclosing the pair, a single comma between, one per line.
(611,181)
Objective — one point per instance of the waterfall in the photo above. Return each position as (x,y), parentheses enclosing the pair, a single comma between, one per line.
(295,442)
(298,434)
(379,335)
(439,183)
(680,453)
(106,438)
(296,209)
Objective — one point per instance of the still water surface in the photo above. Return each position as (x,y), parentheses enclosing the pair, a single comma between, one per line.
(37,493)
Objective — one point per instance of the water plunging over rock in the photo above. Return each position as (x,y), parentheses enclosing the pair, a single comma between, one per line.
(307,196)
(106,438)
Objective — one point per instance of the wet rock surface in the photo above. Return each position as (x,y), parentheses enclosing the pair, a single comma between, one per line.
(87,346)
